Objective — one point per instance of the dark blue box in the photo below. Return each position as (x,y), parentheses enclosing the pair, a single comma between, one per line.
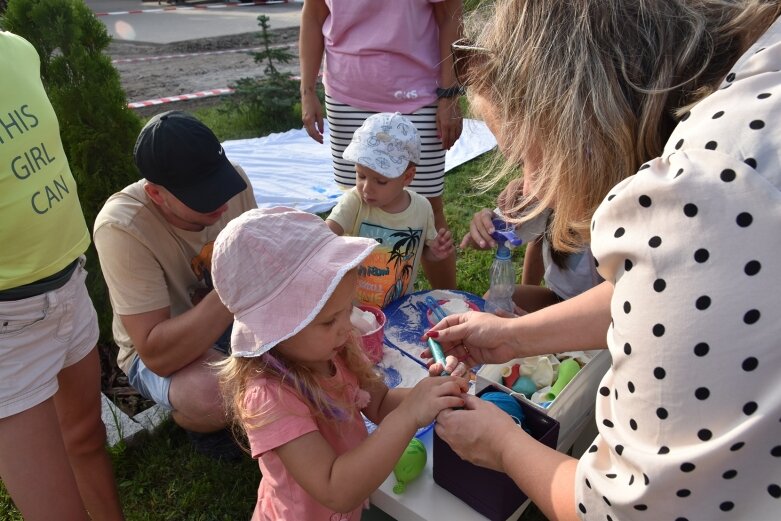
(489,492)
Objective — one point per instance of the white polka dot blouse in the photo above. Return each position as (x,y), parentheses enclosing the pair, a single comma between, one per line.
(689,414)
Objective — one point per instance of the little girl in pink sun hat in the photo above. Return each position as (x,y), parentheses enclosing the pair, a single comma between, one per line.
(298,381)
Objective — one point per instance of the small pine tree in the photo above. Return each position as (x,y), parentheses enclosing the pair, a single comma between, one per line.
(270,103)
(269,54)
(98,130)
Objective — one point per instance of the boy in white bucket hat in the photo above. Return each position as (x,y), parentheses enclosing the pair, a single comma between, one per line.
(385,150)
(298,381)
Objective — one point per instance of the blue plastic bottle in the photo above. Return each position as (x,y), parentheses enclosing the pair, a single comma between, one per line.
(502,275)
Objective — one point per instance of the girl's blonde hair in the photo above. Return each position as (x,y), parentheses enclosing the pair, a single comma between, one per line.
(235,374)
(597,86)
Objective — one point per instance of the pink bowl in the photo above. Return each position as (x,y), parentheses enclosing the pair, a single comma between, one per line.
(372,341)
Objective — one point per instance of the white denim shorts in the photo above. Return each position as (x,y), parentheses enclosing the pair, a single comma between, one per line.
(41,335)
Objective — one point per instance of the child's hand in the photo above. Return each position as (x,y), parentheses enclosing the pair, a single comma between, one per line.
(442,246)
(432,395)
(480,230)
(453,366)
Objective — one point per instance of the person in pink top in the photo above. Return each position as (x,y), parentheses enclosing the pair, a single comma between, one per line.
(386,57)
(298,380)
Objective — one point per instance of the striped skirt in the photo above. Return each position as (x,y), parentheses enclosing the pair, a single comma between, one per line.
(343,120)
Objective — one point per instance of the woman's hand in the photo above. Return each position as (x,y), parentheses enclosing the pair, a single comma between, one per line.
(474,338)
(312,115)
(311,46)
(432,395)
(449,121)
(480,230)
(479,432)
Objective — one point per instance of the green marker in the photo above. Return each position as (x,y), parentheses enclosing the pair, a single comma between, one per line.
(437,353)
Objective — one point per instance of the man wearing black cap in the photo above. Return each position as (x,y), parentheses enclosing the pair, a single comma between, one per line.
(154,240)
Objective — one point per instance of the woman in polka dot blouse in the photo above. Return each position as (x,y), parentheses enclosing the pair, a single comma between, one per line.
(667,113)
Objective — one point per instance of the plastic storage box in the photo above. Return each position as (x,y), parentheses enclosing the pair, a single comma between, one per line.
(491,493)
(573,408)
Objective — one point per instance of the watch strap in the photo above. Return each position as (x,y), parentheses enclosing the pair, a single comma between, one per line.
(450,92)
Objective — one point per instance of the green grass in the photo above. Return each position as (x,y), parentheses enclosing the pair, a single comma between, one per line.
(236,126)
(162,478)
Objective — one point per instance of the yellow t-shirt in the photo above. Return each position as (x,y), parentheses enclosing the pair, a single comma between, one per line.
(43,228)
(389,272)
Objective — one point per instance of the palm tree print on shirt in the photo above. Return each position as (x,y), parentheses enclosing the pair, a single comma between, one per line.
(402,256)
(386,274)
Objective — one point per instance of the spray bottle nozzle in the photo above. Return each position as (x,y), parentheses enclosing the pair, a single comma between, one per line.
(504,232)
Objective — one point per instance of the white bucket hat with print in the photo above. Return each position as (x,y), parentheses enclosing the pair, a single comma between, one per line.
(386,143)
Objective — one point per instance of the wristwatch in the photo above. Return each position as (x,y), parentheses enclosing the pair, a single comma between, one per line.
(450,92)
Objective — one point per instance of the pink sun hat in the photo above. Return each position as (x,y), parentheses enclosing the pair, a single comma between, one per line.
(275,269)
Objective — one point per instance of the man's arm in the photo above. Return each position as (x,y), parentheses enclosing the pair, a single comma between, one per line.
(168,344)
(140,298)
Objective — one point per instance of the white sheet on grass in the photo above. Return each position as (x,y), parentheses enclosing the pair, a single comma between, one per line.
(291,169)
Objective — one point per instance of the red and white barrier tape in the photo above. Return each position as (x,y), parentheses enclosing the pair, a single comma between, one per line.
(192,7)
(195,95)
(186,55)
(181,97)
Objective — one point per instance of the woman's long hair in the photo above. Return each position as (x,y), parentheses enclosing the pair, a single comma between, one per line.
(597,86)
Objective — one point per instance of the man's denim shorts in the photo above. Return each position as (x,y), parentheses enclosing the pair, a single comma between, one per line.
(151,385)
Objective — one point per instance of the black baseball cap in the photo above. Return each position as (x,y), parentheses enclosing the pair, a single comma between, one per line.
(181,154)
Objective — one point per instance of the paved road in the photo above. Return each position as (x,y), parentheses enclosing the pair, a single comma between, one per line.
(188,24)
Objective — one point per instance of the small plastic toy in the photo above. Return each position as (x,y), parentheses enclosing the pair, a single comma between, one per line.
(410,465)
(435,308)
(540,369)
(436,349)
(525,386)
(567,371)
(510,375)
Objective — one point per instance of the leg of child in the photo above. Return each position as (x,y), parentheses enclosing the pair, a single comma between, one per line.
(440,274)
(534,298)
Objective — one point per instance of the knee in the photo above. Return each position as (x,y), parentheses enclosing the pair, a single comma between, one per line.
(84,435)
(209,399)
(199,399)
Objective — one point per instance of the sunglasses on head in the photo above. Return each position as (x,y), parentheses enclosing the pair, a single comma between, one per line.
(465,56)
